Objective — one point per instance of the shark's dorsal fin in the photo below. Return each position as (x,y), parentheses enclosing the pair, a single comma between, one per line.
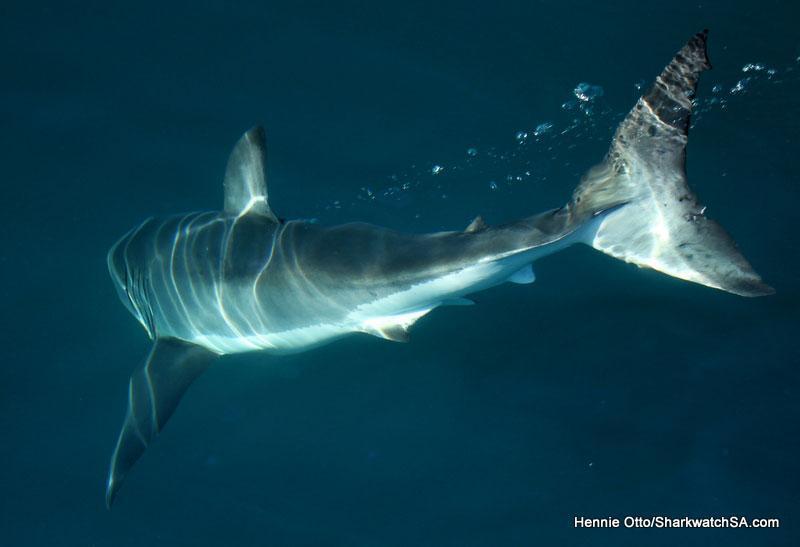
(476,225)
(245,177)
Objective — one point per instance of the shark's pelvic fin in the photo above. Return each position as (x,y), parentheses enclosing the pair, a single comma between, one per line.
(394,327)
(662,224)
(154,391)
(395,333)
(245,176)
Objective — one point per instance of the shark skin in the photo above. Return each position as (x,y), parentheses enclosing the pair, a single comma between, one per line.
(243,283)
(208,284)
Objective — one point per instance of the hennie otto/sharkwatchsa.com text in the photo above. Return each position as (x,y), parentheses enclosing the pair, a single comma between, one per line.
(662,521)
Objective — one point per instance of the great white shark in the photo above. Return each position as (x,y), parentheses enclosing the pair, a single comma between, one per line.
(208,284)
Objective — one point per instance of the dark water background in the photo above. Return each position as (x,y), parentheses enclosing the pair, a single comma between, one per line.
(601,390)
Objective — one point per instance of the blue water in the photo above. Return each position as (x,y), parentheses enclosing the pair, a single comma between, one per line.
(600,390)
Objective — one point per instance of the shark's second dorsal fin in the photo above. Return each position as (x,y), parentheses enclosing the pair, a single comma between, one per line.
(476,225)
(245,177)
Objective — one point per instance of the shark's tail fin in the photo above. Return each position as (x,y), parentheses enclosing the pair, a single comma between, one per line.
(662,225)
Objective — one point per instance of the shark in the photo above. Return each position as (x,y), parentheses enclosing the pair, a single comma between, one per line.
(208,284)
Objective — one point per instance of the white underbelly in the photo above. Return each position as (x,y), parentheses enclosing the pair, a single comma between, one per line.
(434,292)
(288,341)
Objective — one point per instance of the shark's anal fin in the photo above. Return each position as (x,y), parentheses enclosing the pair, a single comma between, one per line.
(523,276)
(155,389)
(245,176)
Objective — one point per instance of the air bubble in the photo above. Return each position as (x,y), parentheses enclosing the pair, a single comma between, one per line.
(531,151)
(753,67)
(587,92)
(740,86)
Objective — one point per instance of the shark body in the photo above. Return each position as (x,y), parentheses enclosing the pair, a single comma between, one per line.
(214,283)
(243,283)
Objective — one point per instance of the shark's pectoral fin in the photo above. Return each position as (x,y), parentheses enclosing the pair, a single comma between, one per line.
(154,391)
(245,177)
